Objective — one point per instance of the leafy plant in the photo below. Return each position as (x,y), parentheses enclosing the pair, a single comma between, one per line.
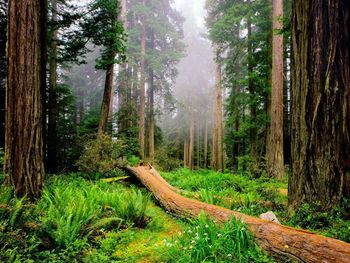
(205,241)
(103,156)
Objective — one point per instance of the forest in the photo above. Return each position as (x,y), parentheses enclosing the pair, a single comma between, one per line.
(175,131)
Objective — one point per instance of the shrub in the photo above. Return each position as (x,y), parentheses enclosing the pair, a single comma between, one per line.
(165,162)
(205,241)
(103,156)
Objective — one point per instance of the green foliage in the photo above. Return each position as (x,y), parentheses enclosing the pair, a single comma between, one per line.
(246,194)
(334,223)
(133,160)
(205,241)
(2,175)
(164,161)
(103,156)
(104,28)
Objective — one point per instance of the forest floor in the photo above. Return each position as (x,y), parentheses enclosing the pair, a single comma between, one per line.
(83,220)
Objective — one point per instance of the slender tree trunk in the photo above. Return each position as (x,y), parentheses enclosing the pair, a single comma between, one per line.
(320,103)
(198,145)
(52,106)
(151,116)
(214,157)
(185,153)
(142,89)
(275,161)
(251,88)
(219,128)
(123,85)
(191,146)
(107,97)
(24,138)
(206,145)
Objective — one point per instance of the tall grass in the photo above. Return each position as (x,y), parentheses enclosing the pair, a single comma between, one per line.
(205,241)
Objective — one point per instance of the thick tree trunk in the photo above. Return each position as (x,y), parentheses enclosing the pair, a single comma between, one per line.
(24,139)
(275,161)
(142,89)
(52,106)
(274,238)
(3,69)
(107,97)
(320,103)
(219,128)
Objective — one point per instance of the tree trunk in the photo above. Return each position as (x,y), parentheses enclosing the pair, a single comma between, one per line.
(219,156)
(320,103)
(198,145)
(206,145)
(151,116)
(52,106)
(274,238)
(214,152)
(191,145)
(185,153)
(24,139)
(275,161)
(142,89)
(107,97)
(251,88)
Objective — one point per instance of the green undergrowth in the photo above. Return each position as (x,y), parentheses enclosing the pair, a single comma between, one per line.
(206,241)
(238,192)
(255,196)
(77,220)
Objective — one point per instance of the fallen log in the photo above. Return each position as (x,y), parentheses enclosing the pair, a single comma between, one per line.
(275,239)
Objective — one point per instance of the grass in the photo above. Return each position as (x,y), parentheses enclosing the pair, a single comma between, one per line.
(79,220)
(238,192)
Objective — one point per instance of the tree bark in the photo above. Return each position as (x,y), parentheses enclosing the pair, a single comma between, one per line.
(320,103)
(275,161)
(275,239)
(206,145)
(151,116)
(24,157)
(142,89)
(198,145)
(52,106)
(191,145)
(185,153)
(107,97)
(219,128)
(251,88)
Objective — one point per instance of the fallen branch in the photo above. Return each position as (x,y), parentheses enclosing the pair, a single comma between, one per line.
(273,238)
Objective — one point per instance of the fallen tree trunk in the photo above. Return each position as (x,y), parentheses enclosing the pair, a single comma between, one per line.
(274,238)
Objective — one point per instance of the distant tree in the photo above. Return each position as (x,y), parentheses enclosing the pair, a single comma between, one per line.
(24,139)
(275,161)
(3,68)
(320,103)
(105,29)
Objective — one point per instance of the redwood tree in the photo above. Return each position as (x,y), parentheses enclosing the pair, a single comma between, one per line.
(275,162)
(320,102)
(24,138)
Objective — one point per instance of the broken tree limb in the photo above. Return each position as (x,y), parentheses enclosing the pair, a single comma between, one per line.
(273,238)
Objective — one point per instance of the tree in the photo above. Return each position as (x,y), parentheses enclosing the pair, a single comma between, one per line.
(320,103)
(105,29)
(24,161)
(275,161)
(3,68)
(142,110)
(52,105)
